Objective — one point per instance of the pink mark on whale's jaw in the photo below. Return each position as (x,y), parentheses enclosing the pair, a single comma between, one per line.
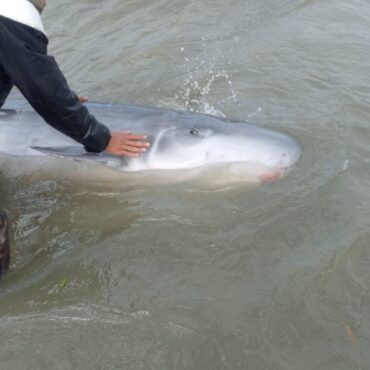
(273,176)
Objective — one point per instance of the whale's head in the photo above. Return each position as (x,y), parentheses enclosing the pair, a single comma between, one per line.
(191,146)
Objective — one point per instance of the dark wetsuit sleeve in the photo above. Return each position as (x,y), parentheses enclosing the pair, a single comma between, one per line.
(5,86)
(23,56)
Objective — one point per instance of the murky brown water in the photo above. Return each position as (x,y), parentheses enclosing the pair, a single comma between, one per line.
(124,275)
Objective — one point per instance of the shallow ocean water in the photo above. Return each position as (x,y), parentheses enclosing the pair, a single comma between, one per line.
(124,274)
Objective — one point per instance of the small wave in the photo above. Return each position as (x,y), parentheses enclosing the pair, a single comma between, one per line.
(83,314)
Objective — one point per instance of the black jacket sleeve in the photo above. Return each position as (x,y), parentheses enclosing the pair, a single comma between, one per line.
(5,86)
(24,59)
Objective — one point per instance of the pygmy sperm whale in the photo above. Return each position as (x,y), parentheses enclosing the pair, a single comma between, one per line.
(180,140)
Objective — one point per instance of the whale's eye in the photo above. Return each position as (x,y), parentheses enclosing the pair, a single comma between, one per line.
(194,131)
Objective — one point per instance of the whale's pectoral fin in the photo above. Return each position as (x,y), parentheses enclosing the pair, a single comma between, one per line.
(64,151)
(78,153)
(7,113)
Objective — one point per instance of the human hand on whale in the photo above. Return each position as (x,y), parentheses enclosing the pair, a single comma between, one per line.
(124,143)
(127,144)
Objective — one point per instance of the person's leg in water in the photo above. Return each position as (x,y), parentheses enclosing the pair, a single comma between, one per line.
(4,244)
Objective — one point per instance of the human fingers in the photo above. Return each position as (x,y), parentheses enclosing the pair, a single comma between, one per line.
(138,144)
(121,152)
(126,135)
(135,137)
(133,149)
(83,99)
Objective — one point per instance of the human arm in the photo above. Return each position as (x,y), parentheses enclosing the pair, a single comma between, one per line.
(5,86)
(62,109)
(123,143)
(43,85)
(23,56)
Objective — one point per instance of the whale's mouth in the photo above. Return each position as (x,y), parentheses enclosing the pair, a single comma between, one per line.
(273,176)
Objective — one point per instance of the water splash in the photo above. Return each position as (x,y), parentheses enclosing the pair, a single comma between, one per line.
(204,79)
(255,114)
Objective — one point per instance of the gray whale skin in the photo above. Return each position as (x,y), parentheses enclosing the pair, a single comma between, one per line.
(179,141)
